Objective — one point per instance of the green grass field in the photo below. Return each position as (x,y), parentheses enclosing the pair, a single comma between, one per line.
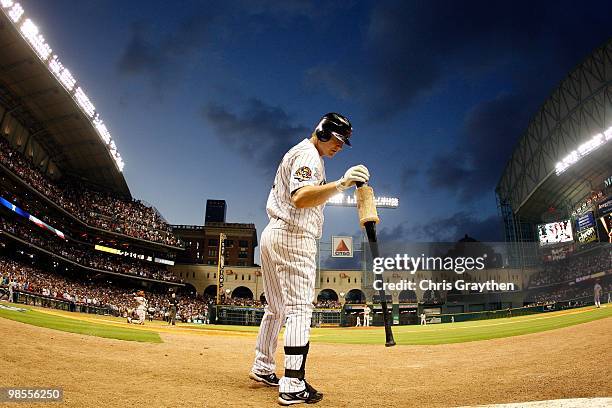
(116,328)
(466,331)
(38,318)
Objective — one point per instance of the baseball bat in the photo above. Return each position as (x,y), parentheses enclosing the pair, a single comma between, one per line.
(368,218)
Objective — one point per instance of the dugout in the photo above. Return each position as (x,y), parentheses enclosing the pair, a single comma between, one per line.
(408,313)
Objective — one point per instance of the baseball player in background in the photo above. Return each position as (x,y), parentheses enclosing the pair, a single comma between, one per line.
(141,309)
(597,294)
(11,290)
(366,316)
(358,321)
(288,251)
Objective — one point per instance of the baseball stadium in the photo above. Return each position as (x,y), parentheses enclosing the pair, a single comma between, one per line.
(108,302)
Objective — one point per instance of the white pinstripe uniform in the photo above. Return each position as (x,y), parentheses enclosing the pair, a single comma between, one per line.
(366,316)
(597,294)
(288,252)
(141,310)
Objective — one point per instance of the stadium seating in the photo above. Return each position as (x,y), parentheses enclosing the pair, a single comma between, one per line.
(83,255)
(96,209)
(89,291)
(566,270)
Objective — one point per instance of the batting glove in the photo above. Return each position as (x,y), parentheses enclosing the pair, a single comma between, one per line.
(356,174)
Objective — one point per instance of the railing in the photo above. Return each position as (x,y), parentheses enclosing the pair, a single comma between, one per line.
(33,299)
(251,316)
(548,306)
(487,314)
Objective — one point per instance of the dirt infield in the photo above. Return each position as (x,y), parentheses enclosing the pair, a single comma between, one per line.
(212,370)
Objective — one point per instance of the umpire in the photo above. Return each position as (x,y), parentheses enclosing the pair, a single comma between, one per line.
(173,308)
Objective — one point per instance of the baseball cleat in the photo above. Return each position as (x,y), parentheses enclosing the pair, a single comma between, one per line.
(129,319)
(268,379)
(308,395)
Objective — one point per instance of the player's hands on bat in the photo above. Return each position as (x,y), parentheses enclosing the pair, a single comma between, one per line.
(356,174)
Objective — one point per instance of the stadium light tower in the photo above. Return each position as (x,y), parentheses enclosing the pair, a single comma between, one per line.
(30,32)
(340,200)
(583,150)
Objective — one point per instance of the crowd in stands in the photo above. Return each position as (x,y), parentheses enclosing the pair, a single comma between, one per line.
(409,297)
(85,256)
(30,279)
(91,290)
(321,304)
(568,269)
(576,293)
(327,304)
(97,209)
(240,302)
(31,206)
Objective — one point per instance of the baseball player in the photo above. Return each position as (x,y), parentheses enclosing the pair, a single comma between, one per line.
(141,309)
(11,290)
(423,319)
(288,251)
(597,294)
(358,321)
(366,316)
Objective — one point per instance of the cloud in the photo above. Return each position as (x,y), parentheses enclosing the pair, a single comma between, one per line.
(445,229)
(261,133)
(160,55)
(281,10)
(486,141)
(408,177)
(456,226)
(399,232)
(408,48)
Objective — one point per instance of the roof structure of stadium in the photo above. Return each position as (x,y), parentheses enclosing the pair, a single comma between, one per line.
(564,155)
(43,96)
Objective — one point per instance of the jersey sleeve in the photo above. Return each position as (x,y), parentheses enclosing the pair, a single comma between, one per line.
(306,170)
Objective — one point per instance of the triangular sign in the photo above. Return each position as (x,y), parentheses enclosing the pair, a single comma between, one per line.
(342,247)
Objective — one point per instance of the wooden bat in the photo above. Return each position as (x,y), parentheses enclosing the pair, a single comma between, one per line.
(368,218)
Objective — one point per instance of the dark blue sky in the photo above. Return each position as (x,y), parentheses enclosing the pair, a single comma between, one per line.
(203,98)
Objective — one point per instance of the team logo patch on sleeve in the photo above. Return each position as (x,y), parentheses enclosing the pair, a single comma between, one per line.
(303,174)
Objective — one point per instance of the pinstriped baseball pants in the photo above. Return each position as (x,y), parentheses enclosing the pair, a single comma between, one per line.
(288,267)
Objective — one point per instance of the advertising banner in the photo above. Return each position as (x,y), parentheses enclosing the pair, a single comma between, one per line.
(585,221)
(342,247)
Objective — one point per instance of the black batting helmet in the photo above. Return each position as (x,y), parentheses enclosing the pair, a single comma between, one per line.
(336,125)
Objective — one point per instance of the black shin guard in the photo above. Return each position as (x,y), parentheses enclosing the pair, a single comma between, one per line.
(297,351)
